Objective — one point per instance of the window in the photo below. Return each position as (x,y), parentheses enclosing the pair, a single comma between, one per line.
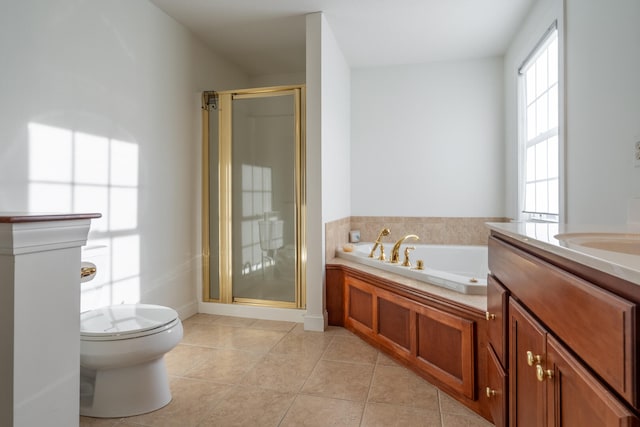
(540,145)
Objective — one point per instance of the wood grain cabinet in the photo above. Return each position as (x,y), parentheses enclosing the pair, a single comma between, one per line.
(437,338)
(569,352)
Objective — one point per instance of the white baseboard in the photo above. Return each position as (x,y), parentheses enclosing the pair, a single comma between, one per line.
(316,323)
(187,310)
(266,313)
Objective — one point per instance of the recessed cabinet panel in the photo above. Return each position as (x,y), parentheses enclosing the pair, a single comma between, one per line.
(526,350)
(393,322)
(496,317)
(496,389)
(360,305)
(437,330)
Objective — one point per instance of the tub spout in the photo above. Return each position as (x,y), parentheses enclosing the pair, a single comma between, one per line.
(383,232)
(395,252)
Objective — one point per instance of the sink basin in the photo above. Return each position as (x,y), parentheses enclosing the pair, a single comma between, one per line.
(624,243)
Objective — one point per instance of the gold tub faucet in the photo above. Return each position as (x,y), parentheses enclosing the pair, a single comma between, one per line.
(395,252)
(383,232)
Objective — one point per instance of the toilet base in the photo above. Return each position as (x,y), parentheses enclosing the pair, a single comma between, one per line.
(124,392)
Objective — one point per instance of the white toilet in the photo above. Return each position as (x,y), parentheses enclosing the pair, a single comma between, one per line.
(122,348)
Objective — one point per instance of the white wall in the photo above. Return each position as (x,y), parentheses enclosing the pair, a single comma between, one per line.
(603,108)
(336,130)
(119,71)
(328,142)
(285,79)
(427,139)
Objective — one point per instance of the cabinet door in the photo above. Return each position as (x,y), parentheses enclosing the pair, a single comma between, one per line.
(496,389)
(575,397)
(526,349)
(496,317)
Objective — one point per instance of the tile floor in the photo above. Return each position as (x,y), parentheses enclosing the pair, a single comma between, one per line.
(231,371)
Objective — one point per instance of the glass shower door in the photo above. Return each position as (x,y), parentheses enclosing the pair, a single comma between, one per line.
(254,209)
(263,153)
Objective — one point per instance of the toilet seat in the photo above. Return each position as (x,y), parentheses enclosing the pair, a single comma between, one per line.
(126,321)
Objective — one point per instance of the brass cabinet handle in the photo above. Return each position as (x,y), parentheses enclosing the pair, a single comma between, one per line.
(541,374)
(490,392)
(533,359)
(489,316)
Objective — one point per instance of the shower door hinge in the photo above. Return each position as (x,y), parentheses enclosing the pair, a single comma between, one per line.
(209,100)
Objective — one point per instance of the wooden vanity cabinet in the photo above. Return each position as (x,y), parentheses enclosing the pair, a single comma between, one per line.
(571,350)
(438,339)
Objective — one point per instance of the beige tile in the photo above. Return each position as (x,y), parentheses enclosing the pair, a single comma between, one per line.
(213,335)
(250,406)
(274,325)
(185,357)
(206,319)
(455,413)
(385,415)
(224,366)
(457,420)
(314,411)
(98,422)
(235,321)
(224,336)
(254,340)
(448,405)
(339,331)
(192,401)
(281,372)
(398,386)
(350,349)
(304,344)
(339,380)
(383,359)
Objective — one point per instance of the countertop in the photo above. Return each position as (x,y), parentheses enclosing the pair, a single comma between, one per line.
(543,236)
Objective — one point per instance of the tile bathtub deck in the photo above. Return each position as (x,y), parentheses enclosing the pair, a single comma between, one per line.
(230,371)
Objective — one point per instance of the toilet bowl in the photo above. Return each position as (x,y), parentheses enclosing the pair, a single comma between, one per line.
(122,348)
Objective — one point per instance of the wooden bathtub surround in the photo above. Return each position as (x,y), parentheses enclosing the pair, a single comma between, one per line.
(440,339)
(563,340)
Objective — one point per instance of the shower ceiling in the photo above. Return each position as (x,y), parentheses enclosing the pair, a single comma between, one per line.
(268,37)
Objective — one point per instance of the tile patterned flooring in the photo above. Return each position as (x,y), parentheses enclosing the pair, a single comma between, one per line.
(231,371)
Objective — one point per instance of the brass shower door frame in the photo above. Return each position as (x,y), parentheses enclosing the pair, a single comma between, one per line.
(225,262)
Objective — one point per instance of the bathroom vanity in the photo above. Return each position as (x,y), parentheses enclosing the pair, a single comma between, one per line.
(563,326)
(39,313)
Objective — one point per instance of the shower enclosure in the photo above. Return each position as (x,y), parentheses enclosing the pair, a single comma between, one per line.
(253,196)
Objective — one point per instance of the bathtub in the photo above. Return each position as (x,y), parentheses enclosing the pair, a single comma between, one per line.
(459,268)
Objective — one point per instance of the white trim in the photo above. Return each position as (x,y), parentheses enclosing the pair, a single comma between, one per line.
(187,310)
(316,323)
(254,312)
(539,47)
(30,237)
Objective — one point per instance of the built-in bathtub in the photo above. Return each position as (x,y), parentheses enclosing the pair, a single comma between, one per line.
(456,267)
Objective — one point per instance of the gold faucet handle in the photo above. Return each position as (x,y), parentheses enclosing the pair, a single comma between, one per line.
(382,256)
(406,262)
